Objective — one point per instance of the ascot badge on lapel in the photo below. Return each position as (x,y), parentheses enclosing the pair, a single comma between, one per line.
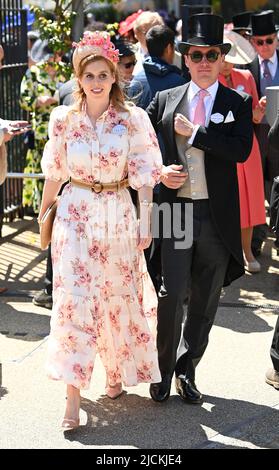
(217,118)
(119,129)
(240,88)
(229,117)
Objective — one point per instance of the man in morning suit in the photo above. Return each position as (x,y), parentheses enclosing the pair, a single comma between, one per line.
(206,129)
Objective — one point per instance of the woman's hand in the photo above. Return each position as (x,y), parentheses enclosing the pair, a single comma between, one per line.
(43,101)
(145,194)
(144,235)
(259,110)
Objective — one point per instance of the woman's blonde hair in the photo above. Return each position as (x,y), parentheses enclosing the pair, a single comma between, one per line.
(117,98)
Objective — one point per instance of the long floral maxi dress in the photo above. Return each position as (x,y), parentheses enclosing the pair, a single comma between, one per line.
(103,300)
(37,82)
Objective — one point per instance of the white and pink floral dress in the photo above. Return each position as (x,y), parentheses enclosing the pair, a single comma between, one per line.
(103,298)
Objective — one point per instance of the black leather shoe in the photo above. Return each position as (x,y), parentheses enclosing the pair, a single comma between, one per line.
(161,390)
(43,299)
(187,390)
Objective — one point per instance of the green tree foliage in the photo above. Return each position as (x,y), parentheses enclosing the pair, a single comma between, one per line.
(57,31)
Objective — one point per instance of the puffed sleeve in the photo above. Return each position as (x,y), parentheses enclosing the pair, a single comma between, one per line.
(54,161)
(1,136)
(144,158)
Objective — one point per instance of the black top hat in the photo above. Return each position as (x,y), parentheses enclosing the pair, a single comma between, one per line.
(263,23)
(242,21)
(205,30)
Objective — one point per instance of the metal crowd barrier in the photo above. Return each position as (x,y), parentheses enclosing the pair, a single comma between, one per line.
(25,175)
(11,195)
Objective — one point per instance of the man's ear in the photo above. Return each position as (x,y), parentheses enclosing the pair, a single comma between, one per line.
(186,60)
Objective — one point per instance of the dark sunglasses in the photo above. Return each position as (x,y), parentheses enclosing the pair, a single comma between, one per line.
(128,65)
(260,42)
(197,56)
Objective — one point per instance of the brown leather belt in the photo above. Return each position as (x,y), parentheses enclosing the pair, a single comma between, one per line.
(98,187)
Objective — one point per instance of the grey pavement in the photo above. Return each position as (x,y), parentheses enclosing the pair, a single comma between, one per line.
(240,411)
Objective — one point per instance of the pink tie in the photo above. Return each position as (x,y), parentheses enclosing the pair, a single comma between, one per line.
(199,117)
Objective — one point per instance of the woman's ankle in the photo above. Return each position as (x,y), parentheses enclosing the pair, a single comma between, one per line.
(73,402)
(249,257)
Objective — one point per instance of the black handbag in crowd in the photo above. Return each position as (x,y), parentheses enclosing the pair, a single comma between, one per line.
(29,139)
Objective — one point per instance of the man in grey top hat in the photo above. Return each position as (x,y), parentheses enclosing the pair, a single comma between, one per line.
(265,70)
(205,129)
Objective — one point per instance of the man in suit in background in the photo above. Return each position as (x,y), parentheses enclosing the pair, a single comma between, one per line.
(206,129)
(265,70)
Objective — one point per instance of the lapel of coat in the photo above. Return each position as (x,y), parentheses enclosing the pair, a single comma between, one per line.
(255,70)
(174,97)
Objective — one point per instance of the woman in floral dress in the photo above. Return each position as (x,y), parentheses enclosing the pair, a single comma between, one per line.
(38,88)
(104,300)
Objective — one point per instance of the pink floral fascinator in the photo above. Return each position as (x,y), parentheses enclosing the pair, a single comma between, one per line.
(94,43)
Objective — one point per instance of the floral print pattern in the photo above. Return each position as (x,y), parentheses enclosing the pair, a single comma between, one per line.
(104,300)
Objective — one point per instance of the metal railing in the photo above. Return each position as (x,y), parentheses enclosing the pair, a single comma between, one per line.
(38,176)
(13,38)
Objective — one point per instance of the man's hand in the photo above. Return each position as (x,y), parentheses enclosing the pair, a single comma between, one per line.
(183,126)
(15,128)
(173,177)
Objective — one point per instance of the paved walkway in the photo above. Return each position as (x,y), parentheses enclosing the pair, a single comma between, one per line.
(239,411)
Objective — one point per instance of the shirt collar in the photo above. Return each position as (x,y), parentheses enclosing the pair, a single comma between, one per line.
(272,59)
(194,89)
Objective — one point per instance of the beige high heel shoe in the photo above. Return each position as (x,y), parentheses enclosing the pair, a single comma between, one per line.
(114,391)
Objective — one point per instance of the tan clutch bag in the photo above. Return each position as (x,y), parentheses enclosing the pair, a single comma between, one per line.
(46,225)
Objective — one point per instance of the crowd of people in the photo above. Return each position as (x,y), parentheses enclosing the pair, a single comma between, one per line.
(149,117)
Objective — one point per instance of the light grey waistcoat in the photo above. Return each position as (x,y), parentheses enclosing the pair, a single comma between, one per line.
(192,159)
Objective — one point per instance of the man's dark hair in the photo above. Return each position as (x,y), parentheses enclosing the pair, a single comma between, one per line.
(158,38)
